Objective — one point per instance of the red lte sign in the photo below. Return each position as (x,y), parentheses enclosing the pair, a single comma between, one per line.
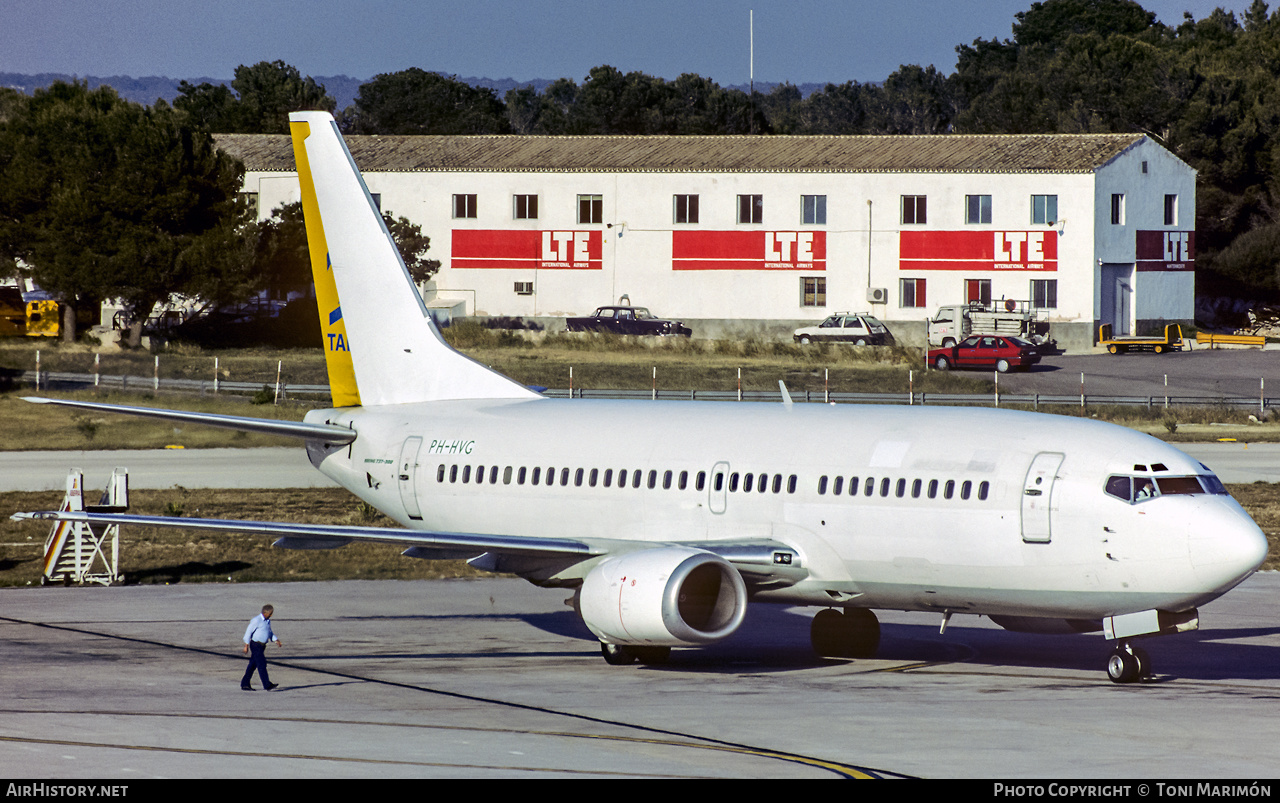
(544,250)
(748,250)
(978,250)
(1166,250)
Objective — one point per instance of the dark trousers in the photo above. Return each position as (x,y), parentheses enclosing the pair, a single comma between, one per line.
(258,659)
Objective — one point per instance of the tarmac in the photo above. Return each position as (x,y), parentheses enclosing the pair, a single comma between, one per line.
(496,678)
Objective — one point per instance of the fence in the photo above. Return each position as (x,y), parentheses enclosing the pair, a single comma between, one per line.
(69,381)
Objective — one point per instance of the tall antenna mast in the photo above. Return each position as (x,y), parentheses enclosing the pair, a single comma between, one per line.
(751,18)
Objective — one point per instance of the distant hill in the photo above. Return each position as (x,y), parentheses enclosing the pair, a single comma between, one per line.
(343,88)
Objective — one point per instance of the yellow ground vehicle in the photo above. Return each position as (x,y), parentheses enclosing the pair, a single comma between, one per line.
(29,318)
(1172,340)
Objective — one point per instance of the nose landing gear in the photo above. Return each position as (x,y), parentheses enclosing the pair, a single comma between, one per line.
(1128,664)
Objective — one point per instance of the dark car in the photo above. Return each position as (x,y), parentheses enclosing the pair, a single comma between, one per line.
(1001,352)
(626,321)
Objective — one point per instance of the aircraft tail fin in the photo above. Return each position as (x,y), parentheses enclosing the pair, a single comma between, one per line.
(381,346)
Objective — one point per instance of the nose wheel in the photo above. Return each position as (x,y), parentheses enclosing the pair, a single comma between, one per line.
(1128,664)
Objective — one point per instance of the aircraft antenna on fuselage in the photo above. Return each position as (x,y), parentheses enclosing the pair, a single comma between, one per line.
(381,346)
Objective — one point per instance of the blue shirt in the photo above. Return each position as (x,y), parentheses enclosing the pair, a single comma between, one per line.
(259,630)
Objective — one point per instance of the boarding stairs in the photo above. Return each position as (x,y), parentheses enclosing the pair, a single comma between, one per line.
(79,552)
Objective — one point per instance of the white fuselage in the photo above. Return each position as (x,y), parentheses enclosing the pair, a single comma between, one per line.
(1025,528)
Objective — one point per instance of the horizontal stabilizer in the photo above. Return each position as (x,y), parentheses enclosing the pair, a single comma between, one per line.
(328,433)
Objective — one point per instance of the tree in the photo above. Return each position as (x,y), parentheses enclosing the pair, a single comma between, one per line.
(103,198)
(415,101)
(263,96)
(1051,22)
(413,245)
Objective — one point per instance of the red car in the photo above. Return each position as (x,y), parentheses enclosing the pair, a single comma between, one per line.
(1000,352)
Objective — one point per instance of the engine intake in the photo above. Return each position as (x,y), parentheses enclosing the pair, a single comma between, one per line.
(663,596)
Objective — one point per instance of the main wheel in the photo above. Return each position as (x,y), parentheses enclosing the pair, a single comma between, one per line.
(616,654)
(804,341)
(1158,349)
(1113,348)
(862,341)
(942,363)
(1123,666)
(863,632)
(651,656)
(852,634)
(1002,366)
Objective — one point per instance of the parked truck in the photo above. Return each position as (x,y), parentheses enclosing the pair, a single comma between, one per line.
(1008,317)
(18,318)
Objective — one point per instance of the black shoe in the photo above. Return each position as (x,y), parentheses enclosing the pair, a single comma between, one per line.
(272,686)
(247,688)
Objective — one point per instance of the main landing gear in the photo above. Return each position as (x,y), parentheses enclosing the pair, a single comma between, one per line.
(1128,664)
(623,655)
(853,633)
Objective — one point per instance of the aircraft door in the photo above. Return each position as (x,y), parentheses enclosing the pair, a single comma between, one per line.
(1037,497)
(407,473)
(717,487)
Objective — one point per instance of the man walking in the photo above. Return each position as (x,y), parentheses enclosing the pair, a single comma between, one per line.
(256,637)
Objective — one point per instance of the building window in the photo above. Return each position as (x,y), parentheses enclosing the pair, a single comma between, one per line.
(377,200)
(1117,209)
(813,291)
(590,208)
(913,209)
(526,207)
(977,209)
(686,209)
(1170,210)
(1044,293)
(750,208)
(524,288)
(977,291)
(1044,209)
(464,206)
(912,293)
(251,202)
(813,210)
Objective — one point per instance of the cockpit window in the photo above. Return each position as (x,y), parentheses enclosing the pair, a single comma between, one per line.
(1179,485)
(1212,484)
(1143,489)
(1140,489)
(1119,487)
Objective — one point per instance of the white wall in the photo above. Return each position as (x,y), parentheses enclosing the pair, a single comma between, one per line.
(637,247)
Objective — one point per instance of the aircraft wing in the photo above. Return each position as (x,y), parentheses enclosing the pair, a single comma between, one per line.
(330,536)
(762,563)
(293,429)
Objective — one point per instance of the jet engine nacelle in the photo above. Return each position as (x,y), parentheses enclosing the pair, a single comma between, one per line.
(663,596)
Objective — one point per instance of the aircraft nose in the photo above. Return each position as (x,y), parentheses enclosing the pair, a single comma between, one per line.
(1227,549)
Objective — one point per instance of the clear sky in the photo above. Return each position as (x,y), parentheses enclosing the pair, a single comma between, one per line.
(795,40)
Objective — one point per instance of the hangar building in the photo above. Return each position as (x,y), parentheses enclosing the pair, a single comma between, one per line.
(738,234)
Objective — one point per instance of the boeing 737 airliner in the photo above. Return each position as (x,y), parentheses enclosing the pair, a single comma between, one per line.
(667,517)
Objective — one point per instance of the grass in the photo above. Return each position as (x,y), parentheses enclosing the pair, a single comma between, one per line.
(599,361)
(180,361)
(151,555)
(30,427)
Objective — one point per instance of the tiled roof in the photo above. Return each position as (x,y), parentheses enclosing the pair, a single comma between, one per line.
(947,153)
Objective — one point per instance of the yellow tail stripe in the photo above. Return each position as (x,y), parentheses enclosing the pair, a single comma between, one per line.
(336,344)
